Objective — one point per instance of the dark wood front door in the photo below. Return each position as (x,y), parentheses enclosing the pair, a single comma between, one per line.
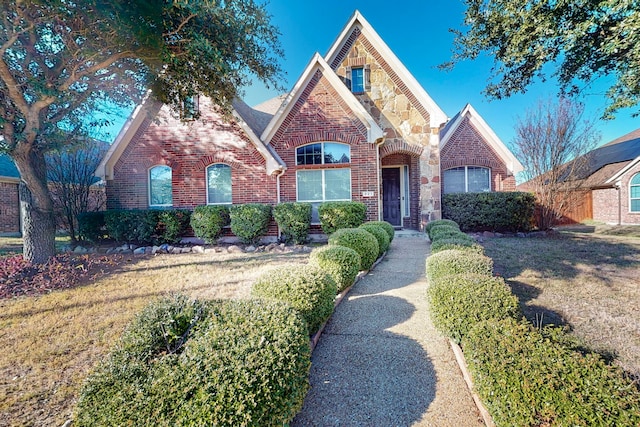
(391,196)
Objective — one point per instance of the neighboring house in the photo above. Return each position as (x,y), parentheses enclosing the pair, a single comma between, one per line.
(356,126)
(613,179)
(9,196)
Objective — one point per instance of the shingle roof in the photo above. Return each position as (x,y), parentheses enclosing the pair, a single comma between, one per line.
(618,152)
(7,168)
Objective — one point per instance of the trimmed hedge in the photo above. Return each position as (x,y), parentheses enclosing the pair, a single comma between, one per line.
(387,227)
(526,378)
(337,215)
(498,211)
(458,302)
(91,226)
(463,244)
(444,232)
(306,288)
(250,222)
(340,262)
(452,262)
(208,221)
(380,234)
(438,222)
(294,220)
(361,241)
(146,226)
(202,363)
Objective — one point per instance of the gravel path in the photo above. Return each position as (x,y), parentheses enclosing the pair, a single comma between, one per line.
(380,362)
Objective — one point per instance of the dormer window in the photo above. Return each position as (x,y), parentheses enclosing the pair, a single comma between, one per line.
(359,78)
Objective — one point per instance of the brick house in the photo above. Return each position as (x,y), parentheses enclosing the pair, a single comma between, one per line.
(356,126)
(9,196)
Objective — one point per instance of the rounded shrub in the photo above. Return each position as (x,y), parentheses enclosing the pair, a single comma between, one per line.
(340,262)
(452,261)
(380,234)
(387,227)
(361,241)
(250,222)
(336,215)
(444,231)
(91,226)
(437,222)
(294,220)
(202,363)
(458,302)
(208,221)
(463,244)
(526,378)
(306,288)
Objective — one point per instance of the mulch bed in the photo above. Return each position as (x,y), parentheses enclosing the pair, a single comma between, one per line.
(21,278)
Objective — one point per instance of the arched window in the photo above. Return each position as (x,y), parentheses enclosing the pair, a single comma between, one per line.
(467,179)
(323,184)
(219,184)
(634,193)
(160,186)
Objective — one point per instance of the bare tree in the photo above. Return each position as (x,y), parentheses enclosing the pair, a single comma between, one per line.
(72,182)
(553,141)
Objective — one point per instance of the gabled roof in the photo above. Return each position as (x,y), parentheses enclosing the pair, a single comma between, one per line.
(437,116)
(513,165)
(317,63)
(8,170)
(144,111)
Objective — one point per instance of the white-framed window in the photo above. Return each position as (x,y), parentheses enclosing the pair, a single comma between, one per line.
(219,184)
(467,179)
(316,185)
(160,187)
(634,193)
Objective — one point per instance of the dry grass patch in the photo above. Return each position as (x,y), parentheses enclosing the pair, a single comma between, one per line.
(588,280)
(51,342)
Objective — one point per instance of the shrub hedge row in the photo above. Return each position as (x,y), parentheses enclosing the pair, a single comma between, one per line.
(498,211)
(361,241)
(337,215)
(340,262)
(208,221)
(380,234)
(202,363)
(294,220)
(526,376)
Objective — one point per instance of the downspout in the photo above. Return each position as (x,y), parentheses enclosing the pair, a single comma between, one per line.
(280,173)
(618,187)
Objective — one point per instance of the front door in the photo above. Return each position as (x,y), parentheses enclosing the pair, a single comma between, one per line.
(391,196)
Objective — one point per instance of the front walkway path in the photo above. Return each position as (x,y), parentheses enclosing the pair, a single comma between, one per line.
(380,362)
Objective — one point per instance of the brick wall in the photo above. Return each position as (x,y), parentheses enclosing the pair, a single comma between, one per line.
(320,114)
(606,202)
(9,207)
(188,148)
(467,147)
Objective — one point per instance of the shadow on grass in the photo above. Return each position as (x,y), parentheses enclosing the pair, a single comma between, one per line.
(536,314)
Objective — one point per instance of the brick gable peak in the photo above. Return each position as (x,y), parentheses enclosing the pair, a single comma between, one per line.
(469,115)
(317,63)
(357,22)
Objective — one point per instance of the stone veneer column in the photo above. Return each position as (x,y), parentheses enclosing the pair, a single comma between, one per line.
(430,192)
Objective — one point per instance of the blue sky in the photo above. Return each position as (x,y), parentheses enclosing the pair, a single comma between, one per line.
(417,32)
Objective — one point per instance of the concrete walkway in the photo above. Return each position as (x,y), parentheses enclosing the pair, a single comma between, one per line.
(380,362)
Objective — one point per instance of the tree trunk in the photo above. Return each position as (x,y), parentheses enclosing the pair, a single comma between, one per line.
(38,220)
(39,229)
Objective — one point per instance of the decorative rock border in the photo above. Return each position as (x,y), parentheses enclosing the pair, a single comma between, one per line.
(128,248)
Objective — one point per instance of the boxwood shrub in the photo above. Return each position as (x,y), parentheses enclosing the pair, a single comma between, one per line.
(380,234)
(437,222)
(130,225)
(208,221)
(452,261)
(526,378)
(337,215)
(458,302)
(306,288)
(91,226)
(387,227)
(361,241)
(496,211)
(250,222)
(294,220)
(464,244)
(445,231)
(171,225)
(202,363)
(340,262)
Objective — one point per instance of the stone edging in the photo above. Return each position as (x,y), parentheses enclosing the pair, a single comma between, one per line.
(316,337)
(462,363)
